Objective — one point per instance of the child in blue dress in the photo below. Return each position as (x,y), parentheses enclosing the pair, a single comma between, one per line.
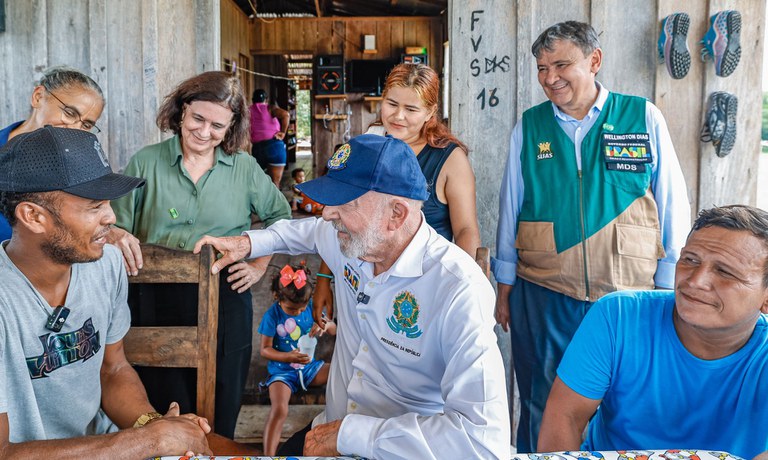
(290,369)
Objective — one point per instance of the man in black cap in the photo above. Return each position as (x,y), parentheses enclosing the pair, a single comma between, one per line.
(64,312)
(416,372)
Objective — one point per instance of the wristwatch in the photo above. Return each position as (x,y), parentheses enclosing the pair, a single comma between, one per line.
(146,418)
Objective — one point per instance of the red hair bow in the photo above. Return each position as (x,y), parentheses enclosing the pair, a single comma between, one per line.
(288,276)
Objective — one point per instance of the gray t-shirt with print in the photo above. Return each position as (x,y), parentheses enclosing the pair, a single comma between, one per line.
(50,381)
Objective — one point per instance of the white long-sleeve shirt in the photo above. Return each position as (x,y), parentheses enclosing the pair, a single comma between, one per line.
(667,184)
(416,372)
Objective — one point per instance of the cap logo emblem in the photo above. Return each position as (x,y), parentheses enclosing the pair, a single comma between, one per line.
(102,154)
(339,159)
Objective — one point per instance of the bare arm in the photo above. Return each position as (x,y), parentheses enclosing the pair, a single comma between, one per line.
(565,418)
(166,436)
(124,400)
(459,192)
(284,117)
(123,396)
(322,299)
(502,305)
(268,352)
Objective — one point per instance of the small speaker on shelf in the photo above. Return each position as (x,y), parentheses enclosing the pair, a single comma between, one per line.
(329,74)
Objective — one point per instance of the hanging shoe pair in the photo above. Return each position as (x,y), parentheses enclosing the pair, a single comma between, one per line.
(673,44)
(720,43)
(720,122)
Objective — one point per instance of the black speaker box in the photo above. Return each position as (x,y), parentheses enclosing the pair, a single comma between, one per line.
(329,74)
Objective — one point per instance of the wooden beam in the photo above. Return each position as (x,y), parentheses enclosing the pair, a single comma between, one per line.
(318,9)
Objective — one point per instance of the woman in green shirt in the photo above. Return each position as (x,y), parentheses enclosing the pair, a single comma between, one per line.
(199,182)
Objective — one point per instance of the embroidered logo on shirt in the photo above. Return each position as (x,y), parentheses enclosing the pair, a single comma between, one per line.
(545,151)
(627,152)
(339,158)
(406,314)
(351,277)
(60,350)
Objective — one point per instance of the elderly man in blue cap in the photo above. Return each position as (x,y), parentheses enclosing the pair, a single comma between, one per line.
(416,372)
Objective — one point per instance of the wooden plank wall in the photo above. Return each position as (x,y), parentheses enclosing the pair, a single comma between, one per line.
(628,37)
(336,35)
(136,51)
(235,30)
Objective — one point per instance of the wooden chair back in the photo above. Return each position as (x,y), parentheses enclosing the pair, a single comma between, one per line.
(187,346)
(483,258)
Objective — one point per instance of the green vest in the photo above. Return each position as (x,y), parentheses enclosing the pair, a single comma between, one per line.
(568,238)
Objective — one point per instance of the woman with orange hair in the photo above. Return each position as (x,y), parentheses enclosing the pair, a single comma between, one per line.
(409,112)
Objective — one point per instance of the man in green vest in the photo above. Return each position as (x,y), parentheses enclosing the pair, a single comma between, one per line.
(593,200)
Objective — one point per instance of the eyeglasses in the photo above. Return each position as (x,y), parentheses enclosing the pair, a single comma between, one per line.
(70,116)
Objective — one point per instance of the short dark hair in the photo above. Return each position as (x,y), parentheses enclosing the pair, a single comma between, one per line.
(291,292)
(259,95)
(737,217)
(217,87)
(10,200)
(296,172)
(581,34)
(65,77)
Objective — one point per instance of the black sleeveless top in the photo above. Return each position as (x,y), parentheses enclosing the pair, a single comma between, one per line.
(431,159)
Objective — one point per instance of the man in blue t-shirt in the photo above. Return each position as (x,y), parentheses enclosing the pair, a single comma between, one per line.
(675,369)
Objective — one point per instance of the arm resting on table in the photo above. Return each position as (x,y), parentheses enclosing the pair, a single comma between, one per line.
(565,417)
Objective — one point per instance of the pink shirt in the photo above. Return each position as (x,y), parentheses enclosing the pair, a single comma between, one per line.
(263,125)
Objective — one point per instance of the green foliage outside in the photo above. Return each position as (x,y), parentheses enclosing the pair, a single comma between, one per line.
(764,131)
(303,128)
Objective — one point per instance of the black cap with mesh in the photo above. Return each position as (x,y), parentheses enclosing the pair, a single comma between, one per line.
(70,160)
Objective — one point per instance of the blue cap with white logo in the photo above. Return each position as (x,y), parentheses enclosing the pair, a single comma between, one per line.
(368,162)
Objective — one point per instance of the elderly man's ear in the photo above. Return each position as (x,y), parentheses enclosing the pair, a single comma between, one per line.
(399,214)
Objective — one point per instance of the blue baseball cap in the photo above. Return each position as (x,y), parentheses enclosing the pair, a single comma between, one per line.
(368,162)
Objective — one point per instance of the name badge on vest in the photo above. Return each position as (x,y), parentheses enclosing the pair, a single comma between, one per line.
(627,152)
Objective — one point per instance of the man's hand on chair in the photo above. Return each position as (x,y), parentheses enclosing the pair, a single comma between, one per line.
(130,246)
(231,248)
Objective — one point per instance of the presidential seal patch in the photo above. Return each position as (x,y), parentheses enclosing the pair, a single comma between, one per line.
(405,315)
(339,158)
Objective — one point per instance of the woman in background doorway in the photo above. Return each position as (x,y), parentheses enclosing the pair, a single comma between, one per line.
(64,97)
(268,126)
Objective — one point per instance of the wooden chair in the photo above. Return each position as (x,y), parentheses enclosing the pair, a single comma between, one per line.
(188,346)
(483,258)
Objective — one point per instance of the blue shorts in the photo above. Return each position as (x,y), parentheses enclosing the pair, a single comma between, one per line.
(292,378)
(270,153)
